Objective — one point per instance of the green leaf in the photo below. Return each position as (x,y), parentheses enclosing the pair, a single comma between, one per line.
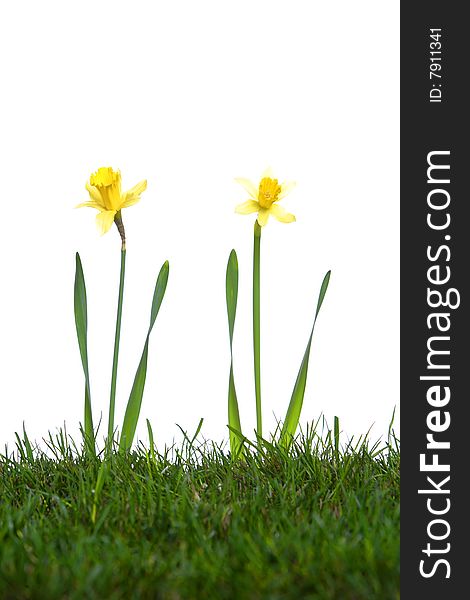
(295,406)
(231,291)
(81,323)
(134,403)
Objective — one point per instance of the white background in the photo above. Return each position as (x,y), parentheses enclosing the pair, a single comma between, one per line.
(190,95)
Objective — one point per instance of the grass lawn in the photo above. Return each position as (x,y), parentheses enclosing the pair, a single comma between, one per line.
(318,522)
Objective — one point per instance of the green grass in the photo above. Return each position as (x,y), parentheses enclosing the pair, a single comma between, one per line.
(321,521)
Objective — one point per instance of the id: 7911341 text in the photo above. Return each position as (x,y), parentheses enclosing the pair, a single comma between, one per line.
(435,65)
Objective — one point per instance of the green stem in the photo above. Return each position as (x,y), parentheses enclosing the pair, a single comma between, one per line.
(256,326)
(112,399)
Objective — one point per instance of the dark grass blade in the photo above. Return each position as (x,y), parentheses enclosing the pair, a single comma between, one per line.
(134,403)
(102,476)
(336,434)
(295,406)
(243,440)
(151,439)
(20,447)
(27,445)
(81,323)
(231,291)
(190,441)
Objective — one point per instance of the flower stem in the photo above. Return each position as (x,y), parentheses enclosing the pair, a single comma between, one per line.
(256,326)
(112,399)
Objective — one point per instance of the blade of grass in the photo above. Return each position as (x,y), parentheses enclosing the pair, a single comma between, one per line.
(336,434)
(198,429)
(81,323)
(27,445)
(231,291)
(151,440)
(134,403)
(390,427)
(102,476)
(243,440)
(20,447)
(187,440)
(295,406)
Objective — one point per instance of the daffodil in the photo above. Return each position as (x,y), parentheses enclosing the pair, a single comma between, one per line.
(104,188)
(106,196)
(264,198)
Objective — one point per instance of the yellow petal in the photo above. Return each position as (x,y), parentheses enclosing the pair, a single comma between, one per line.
(91,204)
(249,187)
(281,215)
(286,187)
(94,194)
(104,220)
(263,216)
(248,207)
(132,196)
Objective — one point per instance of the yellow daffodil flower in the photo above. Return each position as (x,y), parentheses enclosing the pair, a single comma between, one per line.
(264,198)
(104,188)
